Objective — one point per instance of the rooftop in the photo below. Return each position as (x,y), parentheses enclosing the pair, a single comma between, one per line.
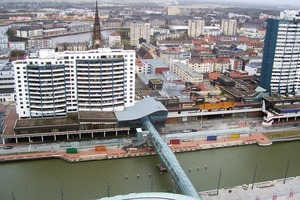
(59,121)
(189,70)
(97,116)
(140,109)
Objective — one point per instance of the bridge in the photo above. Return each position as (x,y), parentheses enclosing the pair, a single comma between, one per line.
(170,161)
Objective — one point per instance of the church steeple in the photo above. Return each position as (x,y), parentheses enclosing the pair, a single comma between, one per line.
(96,42)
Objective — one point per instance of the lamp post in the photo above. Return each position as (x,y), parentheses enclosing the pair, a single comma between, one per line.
(220,174)
(13,196)
(286,171)
(61,194)
(254,176)
(108,189)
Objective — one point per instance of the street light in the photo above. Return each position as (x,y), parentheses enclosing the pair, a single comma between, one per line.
(287,168)
(254,176)
(219,181)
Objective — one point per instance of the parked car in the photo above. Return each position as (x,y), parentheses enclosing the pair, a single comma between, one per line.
(8,147)
(186,131)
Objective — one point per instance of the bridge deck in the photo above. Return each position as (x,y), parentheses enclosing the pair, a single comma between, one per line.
(170,161)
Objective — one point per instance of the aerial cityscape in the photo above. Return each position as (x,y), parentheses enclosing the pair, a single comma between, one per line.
(149,100)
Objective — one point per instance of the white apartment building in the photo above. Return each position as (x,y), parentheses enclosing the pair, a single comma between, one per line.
(196,27)
(30,32)
(18,46)
(280,72)
(139,30)
(229,26)
(56,83)
(114,39)
(40,43)
(186,74)
(210,65)
(3,42)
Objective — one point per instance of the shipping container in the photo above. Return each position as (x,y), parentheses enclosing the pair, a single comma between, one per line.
(100,148)
(71,150)
(175,141)
(211,138)
(234,135)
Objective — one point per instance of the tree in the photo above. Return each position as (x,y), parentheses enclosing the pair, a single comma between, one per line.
(10,33)
(17,53)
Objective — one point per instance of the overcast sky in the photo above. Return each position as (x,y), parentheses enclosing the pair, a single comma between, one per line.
(252,2)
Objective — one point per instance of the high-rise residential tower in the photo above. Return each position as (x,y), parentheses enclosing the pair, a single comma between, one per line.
(280,73)
(228,26)
(56,83)
(195,27)
(139,30)
(96,40)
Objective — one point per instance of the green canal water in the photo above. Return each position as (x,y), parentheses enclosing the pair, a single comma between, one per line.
(45,179)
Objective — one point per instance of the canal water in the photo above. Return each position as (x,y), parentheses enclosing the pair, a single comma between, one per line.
(50,179)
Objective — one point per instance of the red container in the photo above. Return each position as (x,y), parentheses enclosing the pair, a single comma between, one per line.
(175,141)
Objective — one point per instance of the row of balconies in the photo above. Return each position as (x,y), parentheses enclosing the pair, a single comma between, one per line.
(97,69)
(45,88)
(113,78)
(49,111)
(97,74)
(102,64)
(47,102)
(99,104)
(45,72)
(48,106)
(100,97)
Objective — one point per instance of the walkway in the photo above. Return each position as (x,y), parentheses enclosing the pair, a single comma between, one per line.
(170,161)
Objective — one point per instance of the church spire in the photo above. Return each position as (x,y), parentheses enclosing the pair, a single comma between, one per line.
(96,42)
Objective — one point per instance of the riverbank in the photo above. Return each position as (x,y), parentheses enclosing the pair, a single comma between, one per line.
(118,153)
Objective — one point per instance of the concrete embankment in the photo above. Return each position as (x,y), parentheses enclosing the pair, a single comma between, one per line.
(92,154)
(281,189)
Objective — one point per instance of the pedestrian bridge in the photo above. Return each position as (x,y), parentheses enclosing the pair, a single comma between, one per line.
(170,161)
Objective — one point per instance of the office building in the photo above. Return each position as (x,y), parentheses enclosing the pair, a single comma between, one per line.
(228,27)
(139,30)
(280,73)
(195,28)
(57,83)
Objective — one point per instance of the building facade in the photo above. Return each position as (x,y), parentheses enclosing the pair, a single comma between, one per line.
(40,43)
(18,46)
(30,32)
(57,83)
(139,30)
(228,26)
(196,28)
(187,74)
(280,73)
(6,81)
